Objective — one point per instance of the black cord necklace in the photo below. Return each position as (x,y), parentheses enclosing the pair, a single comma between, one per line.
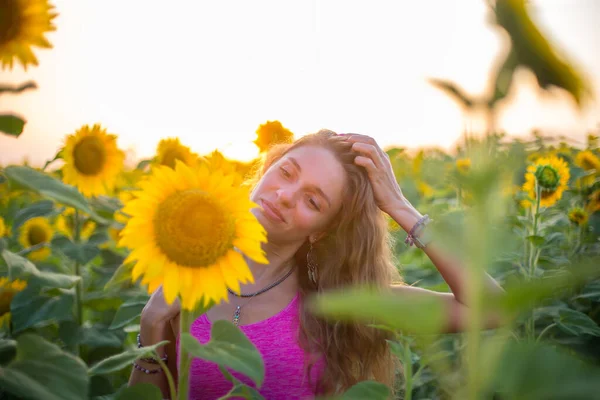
(238,310)
(269,287)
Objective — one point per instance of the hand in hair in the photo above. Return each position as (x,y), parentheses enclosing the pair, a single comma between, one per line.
(386,190)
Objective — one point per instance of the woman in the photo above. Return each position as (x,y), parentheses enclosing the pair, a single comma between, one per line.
(322,202)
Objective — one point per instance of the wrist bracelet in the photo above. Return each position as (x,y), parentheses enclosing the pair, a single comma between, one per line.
(150,360)
(144,370)
(414,237)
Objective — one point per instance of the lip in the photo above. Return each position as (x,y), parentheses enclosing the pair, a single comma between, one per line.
(271,211)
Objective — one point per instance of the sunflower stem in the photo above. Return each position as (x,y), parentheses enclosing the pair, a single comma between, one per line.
(185,321)
(79,285)
(534,255)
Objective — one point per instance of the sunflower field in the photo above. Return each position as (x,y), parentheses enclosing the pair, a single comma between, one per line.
(84,239)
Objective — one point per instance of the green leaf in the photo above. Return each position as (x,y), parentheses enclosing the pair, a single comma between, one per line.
(504,78)
(128,312)
(453,91)
(41,370)
(100,336)
(11,124)
(140,391)
(534,371)
(122,360)
(240,389)
(17,89)
(414,314)
(229,347)
(366,390)
(80,252)
(29,310)
(52,188)
(577,323)
(37,209)
(534,51)
(121,277)
(8,350)
(20,267)
(536,240)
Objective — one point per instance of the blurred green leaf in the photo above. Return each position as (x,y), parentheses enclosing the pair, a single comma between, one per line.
(37,209)
(29,309)
(240,389)
(364,390)
(577,323)
(533,50)
(20,267)
(414,314)
(11,124)
(128,312)
(122,360)
(228,347)
(17,89)
(535,371)
(453,91)
(42,371)
(8,350)
(121,276)
(80,252)
(140,391)
(536,240)
(52,188)
(100,336)
(504,78)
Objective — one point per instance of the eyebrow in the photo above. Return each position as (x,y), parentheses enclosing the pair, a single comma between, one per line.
(317,189)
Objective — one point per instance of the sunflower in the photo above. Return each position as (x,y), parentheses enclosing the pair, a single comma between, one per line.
(23,24)
(65,224)
(8,290)
(3,230)
(33,232)
(271,133)
(552,175)
(217,161)
(594,202)
(92,160)
(170,150)
(587,160)
(463,165)
(578,216)
(185,227)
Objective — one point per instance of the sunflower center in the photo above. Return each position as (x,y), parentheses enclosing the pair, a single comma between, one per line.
(588,163)
(192,228)
(89,155)
(37,235)
(547,177)
(170,156)
(10,20)
(6,297)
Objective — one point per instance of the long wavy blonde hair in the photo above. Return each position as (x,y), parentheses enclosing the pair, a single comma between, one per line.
(356,249)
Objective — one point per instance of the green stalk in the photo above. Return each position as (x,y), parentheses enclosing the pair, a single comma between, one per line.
(185,360)
(533,257)
(77,271)
(408,372)
(172,388)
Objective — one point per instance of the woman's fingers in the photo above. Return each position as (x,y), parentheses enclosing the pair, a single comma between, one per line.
(369,151)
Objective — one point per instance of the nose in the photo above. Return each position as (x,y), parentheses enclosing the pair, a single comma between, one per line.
(285,196)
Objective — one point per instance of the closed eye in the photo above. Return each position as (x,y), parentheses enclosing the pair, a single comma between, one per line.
(314,204)
(285,172)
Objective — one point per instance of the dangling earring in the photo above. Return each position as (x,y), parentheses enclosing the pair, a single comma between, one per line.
(312,265)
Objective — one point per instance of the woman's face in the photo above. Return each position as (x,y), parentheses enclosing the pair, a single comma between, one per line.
(300,194)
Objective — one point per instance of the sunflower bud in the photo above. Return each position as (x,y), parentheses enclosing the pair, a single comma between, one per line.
(547,177)
(578,216)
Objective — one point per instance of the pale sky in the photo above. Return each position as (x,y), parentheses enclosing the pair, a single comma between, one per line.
(210,72)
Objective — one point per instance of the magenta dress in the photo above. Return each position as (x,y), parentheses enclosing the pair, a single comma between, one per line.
(276,338)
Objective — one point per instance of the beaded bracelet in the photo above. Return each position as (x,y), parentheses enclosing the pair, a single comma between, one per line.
(150,360)
(144,370)
(413,236)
